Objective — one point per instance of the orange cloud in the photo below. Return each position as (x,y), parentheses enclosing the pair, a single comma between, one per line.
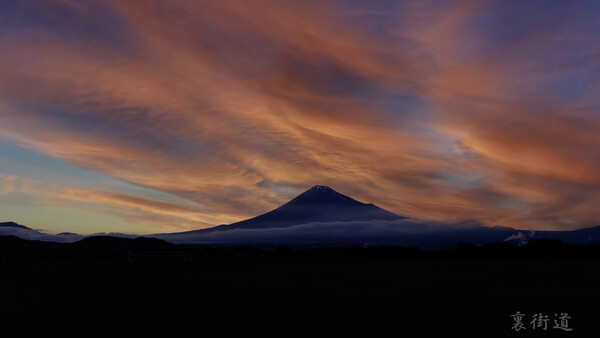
(428,111)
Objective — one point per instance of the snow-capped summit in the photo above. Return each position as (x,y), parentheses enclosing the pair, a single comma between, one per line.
(323,189)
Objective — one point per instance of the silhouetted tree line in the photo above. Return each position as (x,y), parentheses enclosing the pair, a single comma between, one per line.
(544,247)
(538,248)
(118,248)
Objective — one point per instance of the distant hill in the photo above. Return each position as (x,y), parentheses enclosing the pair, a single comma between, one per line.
(120,243)
(106,244)
(13,225)
(11,240)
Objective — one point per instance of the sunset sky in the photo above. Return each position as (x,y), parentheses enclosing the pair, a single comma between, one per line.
(161,116)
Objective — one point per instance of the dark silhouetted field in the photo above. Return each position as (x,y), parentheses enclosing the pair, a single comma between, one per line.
(375,291)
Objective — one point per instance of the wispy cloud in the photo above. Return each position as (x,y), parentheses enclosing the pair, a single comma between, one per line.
(431,109)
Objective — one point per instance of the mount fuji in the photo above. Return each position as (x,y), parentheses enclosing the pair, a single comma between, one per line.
(316,215)
(318,204)
(323,216)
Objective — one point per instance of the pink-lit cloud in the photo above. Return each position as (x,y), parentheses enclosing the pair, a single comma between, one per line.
(434,110)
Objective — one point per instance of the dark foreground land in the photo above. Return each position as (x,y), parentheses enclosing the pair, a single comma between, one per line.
(377,291)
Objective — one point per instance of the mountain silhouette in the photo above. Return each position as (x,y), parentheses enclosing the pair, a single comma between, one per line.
(13,225)
(318,204)
(120,244)
(323,215)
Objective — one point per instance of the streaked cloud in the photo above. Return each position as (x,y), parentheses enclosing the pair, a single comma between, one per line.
(443,110)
